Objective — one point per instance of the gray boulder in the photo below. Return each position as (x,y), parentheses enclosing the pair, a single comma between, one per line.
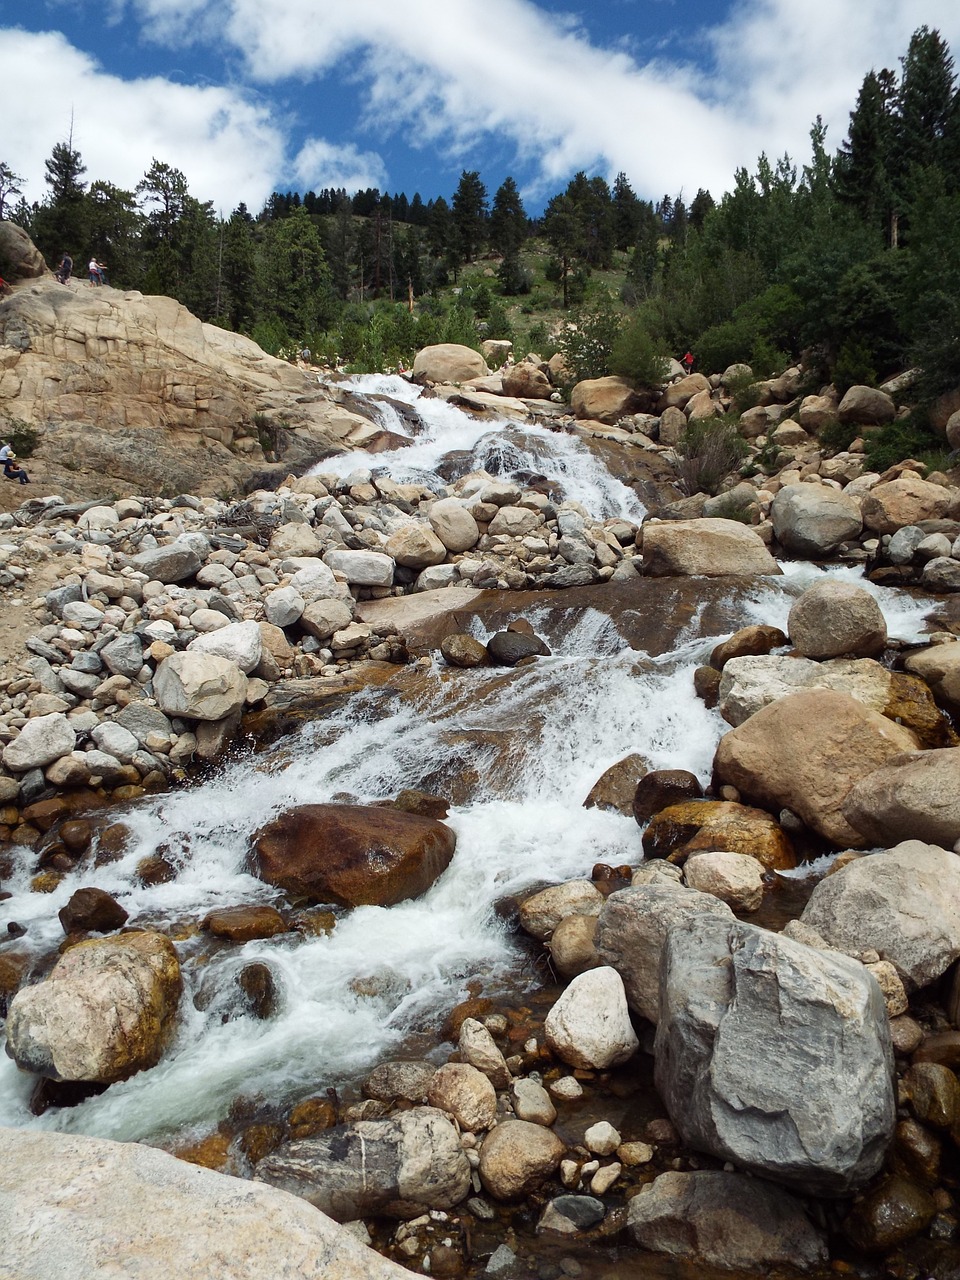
(40,742)
(173,563)
(199,686)
(913,797)
(813,519)
(724,1220)
(834,619)
(123,656)
(903,902)
(410,1163)
(775,1055)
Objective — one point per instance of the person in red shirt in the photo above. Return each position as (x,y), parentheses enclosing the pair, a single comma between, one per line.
(687,361)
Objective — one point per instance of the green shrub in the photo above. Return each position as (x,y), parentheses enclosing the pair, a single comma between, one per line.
(835,437)
(853,367)
(708,450)
(22,438)
(735,506)
(587,344)
(744,391)
(635,355)
(908,437)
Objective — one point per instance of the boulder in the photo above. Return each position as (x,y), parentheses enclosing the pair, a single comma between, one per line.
(415,546)
(295,539)
(709,547)
(454,525)
(199,686)
(633,928)
(41,741)
(507,648)
(105,1011)
(903,902)
(284,606)
(355,855)
(403,1080)
(678,393)
(516,1157)
(403,1166)
(835,619)
(362,568)
(244,923)
(734,878)
(774,1055)
(449,362)
(939,666)
(91,910)
(514,522)
(123,656)
(464,1092)
(527,382)
(952,430)
(866,406)
(662,787)
(694,826)
(323,618)
(238,642)
(751,641)
(571,946)
(604,399)
(616,788)
(463,650)
(907,500)
(804,752)
(589,1026)
(532,1102)
(813,519)
(73,1207)
(816,412)
(477,1046)
(914,797)
(21,258)
(174,563)
(725,1220)
(542,912)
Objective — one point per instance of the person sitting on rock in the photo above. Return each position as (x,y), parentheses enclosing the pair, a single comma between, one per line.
(10,469)
(65,270)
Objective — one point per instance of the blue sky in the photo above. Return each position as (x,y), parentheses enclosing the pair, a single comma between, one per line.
(248,96)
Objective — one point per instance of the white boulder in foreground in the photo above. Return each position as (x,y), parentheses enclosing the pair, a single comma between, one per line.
(76,1208)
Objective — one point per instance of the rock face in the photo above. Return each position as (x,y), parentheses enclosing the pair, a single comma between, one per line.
(774,1055)
(355,855)
(24,260)
(813,520)
(724,1220)
(835,619)
(713,548)
(449,362)
(913,797)
(589,1026)
(903,903)
(804,753)
(633,928)
(104,1013)
(77,1208)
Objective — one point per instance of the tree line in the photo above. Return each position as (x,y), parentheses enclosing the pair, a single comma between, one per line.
(852,257)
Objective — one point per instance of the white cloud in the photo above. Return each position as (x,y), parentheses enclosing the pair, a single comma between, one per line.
(321,164)
(227,143)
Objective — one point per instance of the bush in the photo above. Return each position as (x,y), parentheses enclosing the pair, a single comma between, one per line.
(835,437)
(909,437)
(743,391)
(21,437)
(635,355)
(708,450)
(587,344)
(853,367)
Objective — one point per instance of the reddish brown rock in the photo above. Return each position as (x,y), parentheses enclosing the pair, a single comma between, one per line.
(663,787)
(354,855)
(92,911)
(700,825)
(244,923)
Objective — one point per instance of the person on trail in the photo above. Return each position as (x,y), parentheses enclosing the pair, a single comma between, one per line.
(97,272)
(10,469)
(65,269)
(687,361)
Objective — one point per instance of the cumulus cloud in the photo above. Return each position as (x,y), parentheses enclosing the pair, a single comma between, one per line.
(321,164)
(227,143)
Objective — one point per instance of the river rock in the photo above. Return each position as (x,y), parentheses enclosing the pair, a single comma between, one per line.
(79,1208)
(465,1093)
(572,947)
(679,393)
(123,656)
(463,650)
(354,855)
(589,1026)
(403,1166)
(813,519)
(454,525)
(903,902)
(245,922)
(199,686)
(725,1220)
(804,753)
(616,788)
(604,399)
(283,607)
(774,1055)
(507,648)
(516,1157)
(939,666)
(734,878)
(105,1011)
(91,910)
(542,912)
(889,1214)
(913,797)
(662,787)
(747,642)
(477,1046)
(526,381)
(415,546)
(41,741)
(889,506)
(834,619)
(633,927)
(173,563)
(700,825)
(322,619)
(711,548)
(238,642)
(362,568)
(532,1102)
(404,1080)
(449,362)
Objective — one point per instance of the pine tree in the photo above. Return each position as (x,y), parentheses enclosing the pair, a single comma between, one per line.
(862,174)
(10,186)
(508,220)
(469,215)
(626,213)
(563,227)
(61,222)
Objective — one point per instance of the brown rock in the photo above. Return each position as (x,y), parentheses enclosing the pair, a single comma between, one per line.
(527,382)
(747,642)
(915,1154)
(700,825)
(423,803)
(834,619)
(913,797)
(516,1157)
(888,507)
(462,650)
(706,684)
(259,989)
(942,1047)
(92,911)
(22,259)
(663,787)
(354,855)
(311,1116)
(616,787)
(889,1214)
(604,399)
(934,1094)
(804,752)
(244,923)
(709,547)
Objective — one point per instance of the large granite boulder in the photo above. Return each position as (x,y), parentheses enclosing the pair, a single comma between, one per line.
(804,753)
(725,1220)
(354,855)
(835,619)
(903,902)
(710,547)
(41,741)
(401,1167)
(632,931)
(516,1157)
(774,1055)
(813,519)
(866,406)
(914,797)
(21,258)
(526,381)
(604,399)
(176,562)
(415,546)
(893,504)
(454,525)
(238,642)
(199,686)
(105,1011)
(449,362)
(693,826)
(678,394)
(78,1208)
(939,666)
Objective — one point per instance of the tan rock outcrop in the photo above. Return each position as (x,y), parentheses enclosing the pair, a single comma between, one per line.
(889,506)
(527,382)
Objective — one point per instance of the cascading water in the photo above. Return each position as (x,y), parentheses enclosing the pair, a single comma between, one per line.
(534,740)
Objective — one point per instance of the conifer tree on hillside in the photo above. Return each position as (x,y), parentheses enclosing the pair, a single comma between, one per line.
(508,220)
(10,186)
(862,177)
(469,216)
(60,223)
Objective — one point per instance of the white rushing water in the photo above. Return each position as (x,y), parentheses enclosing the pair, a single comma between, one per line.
(537,739)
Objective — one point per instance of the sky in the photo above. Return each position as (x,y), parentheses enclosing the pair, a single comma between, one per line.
(251,96)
